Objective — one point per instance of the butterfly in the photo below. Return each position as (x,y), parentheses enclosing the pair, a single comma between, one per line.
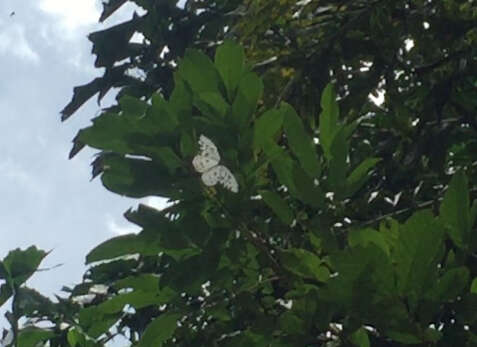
(207,163)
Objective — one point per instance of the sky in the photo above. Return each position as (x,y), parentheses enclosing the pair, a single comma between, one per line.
(46,199)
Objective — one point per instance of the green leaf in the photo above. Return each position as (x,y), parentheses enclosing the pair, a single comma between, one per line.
(451,284)
(404,337)
(230,61)
(267,126)
(160,330)
(143,243)
(281,162)
(19,265)
(144,282)
(300,142)
(278,205)
(304,264)
(110,132)
(419,244)
(250,91)
(199,72)
(169,158)
(360,338)
(291,324)
(160,115)
(363,237)
(338,166)
(306,190)
(212,104)
(473,287)
(329,126)
(359,175)
(30,337)
(132,107)
(454,211)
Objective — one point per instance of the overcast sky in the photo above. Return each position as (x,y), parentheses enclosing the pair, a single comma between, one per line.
(46,199)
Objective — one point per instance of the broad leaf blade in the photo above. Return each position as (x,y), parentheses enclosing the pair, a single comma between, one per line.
(300,142)
(328,119)
(454,211)
(160,330)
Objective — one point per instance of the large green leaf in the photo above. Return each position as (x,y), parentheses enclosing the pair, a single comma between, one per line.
(230,61)
(454,211)
(19,265)
(300,142)
(338,165)
(32,337)
(267,126)
(329,125)
(304,264)
(306,189)
(249,92)
(282,164)
(199,72)
(359,175)
(363,237)
(160,330)
(143,243)
(278,205)
(417,250)
(450,285)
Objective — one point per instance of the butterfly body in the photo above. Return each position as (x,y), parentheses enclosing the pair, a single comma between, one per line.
(207,163)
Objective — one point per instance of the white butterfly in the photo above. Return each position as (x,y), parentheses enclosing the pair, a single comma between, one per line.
(207,163)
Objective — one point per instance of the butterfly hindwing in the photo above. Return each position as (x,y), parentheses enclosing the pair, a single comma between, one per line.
(220,174)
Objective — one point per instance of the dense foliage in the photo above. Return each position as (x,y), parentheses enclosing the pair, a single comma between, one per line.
(354,221)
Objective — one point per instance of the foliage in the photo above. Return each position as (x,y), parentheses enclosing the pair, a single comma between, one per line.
(354,224)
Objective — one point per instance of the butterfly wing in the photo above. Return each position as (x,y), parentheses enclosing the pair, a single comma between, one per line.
(202,163)
(220,174)
(208,149)
(208,156)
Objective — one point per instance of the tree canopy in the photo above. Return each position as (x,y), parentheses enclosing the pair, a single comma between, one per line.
(301,211)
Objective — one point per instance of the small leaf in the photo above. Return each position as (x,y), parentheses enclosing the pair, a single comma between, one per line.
(278,205)
(160,330)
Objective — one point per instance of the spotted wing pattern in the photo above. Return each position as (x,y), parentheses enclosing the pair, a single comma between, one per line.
(207,163)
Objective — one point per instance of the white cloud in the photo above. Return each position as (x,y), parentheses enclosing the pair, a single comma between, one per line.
(13,41)
(157,203)
(120,228)
(72,14)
